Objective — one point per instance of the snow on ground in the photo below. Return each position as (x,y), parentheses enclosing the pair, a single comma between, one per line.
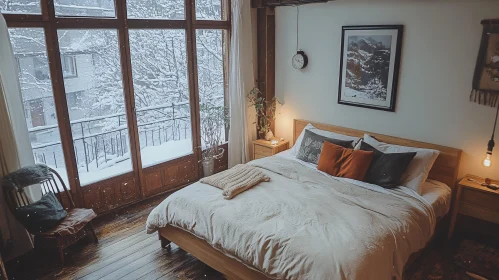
(151,155)
(349,92)
(172,149)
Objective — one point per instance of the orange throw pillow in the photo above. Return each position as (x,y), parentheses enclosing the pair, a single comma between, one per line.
(342,162)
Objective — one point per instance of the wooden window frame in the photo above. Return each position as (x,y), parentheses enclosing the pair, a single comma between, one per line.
(51,23)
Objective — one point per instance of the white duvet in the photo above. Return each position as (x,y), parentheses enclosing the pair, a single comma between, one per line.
(304,224)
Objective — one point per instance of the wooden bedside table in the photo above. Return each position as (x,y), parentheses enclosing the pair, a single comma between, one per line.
(262,148)
(476,201)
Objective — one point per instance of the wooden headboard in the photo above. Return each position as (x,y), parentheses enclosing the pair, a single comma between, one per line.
(446,166)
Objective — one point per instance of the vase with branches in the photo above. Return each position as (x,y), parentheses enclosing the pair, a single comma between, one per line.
(214,122)
(265,111)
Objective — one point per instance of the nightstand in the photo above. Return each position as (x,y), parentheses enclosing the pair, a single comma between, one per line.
(262,148)
(476,201)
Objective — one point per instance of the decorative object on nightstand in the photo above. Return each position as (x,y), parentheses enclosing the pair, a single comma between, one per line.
(477,198)
(263,148)
(265,112)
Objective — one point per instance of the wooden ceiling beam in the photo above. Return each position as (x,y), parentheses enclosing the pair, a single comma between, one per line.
(266,53)
(257,4)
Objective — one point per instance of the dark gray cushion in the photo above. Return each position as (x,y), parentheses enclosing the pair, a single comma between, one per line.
(41,215)
(312,143)
(386,169)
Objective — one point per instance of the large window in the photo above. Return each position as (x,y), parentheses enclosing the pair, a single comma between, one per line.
(211,59)
(98,124)
(36,89)
(122,81)
(161,88)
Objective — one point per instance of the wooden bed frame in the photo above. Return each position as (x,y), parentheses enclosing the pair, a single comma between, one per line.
(445,170)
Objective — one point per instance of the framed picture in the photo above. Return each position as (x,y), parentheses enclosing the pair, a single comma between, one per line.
(486,78)
(369,66)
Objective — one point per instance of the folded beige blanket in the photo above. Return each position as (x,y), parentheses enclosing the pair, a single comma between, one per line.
(236,180)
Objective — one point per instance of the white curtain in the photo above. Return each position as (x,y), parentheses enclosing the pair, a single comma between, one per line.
(15,147)
(241,81)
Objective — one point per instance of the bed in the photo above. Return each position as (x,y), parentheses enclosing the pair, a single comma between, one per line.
(306,225)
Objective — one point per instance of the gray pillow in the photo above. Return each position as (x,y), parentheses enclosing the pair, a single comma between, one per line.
(311,146)
(386,170)
(41,215)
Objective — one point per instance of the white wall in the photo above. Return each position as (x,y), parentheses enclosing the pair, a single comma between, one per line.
(440,46)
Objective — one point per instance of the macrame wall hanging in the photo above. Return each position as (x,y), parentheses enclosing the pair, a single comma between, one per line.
(486,78)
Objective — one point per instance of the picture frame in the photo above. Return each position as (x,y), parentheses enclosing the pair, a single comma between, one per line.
(369,66)
(485,87)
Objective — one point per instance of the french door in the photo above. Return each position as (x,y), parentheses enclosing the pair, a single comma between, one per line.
(112,90)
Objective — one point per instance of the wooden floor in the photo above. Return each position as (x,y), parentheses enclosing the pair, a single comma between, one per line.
(124,251)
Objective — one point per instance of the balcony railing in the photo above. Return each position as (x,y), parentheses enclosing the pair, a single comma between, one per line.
(100,145)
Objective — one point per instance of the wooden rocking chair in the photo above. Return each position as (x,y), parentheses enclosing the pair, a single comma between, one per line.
(74,227)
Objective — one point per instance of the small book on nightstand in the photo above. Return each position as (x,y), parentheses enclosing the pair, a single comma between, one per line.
(475,199)
(263,148)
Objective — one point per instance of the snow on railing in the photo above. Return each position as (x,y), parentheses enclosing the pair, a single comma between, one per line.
(100,146)
(92,143)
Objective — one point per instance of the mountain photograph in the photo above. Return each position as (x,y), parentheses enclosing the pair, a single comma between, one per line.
(368,65)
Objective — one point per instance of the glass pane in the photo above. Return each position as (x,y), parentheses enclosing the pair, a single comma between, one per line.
(36,89)
(20,7)
(85,8)
(94,92)
(156,9)
(212,83)
(209,9)
(159,68)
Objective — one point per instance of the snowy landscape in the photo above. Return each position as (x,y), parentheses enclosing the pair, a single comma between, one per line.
(94,88)
(368,65)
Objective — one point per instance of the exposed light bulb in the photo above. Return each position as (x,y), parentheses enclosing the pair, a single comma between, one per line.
(487,160)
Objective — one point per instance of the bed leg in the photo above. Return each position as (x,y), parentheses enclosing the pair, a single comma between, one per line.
(165,243)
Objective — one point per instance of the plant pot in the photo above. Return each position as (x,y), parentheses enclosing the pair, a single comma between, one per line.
(208,166)
(208,161)
(269,136)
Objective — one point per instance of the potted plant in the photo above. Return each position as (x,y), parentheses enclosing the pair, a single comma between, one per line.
(213,121)
(265,112)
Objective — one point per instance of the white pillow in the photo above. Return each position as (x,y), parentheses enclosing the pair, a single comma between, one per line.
(296,147)
(420,166)
(357,145)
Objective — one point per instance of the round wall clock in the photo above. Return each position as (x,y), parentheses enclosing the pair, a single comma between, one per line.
(300,60)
